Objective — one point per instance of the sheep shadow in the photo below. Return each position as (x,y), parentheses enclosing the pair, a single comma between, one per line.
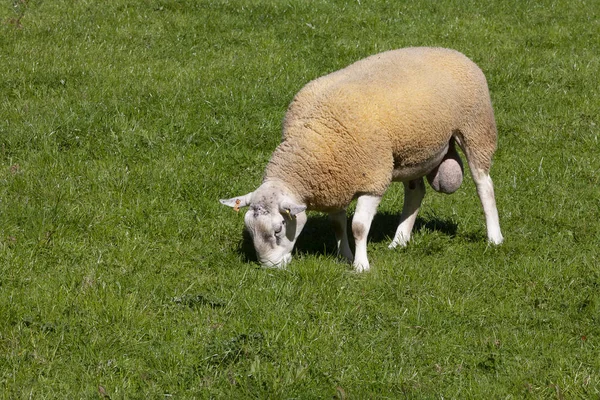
(318,238)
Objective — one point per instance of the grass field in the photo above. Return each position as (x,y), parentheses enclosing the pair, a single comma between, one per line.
(121,276)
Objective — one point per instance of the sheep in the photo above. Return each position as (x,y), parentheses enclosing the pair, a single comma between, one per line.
(391,117)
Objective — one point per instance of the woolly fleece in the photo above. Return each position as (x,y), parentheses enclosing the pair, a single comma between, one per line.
(387,117)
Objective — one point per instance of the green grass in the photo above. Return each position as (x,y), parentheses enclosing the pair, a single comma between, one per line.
(121,125)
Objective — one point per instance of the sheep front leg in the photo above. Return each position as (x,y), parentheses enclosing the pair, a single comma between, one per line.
(414,191)
(340,227)
(366,207)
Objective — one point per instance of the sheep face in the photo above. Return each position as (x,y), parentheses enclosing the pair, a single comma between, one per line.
(274,222)
(273,232)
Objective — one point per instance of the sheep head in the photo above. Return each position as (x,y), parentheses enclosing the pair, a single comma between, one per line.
(274,220)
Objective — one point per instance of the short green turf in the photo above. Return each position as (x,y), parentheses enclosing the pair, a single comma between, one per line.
(121,276)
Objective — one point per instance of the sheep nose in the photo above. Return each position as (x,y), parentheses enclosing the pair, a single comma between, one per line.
(285,260)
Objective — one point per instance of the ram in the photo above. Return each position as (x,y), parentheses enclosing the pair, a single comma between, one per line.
(392,117)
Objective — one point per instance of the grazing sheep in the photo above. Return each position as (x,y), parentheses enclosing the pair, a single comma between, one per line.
(393,116)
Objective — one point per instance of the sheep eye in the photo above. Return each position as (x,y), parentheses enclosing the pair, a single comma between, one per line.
(278,230)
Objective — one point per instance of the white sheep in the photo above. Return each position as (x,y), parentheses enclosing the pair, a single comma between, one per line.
(393,116)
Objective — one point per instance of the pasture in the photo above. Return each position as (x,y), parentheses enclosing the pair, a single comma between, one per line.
(121,276)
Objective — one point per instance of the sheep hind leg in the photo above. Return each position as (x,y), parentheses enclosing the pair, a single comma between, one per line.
(340,227)
(485,191)
(414,191)
(366,207)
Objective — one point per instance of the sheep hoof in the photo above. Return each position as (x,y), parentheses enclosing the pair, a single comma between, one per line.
(398,243)
(497,240)
(361,267)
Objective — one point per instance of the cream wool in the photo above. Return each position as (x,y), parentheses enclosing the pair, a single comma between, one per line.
(390,117)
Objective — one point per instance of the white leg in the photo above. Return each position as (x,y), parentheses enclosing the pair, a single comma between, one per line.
(413,195)
(340,226)
(366,207)
(485,190)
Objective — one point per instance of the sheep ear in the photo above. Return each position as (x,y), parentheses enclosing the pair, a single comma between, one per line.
(237,202)
(291,209)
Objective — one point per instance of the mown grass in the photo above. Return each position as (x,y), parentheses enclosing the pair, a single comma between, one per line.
(121,125)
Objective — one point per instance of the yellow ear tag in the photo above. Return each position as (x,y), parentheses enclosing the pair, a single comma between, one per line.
(236,208)
(289,214)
